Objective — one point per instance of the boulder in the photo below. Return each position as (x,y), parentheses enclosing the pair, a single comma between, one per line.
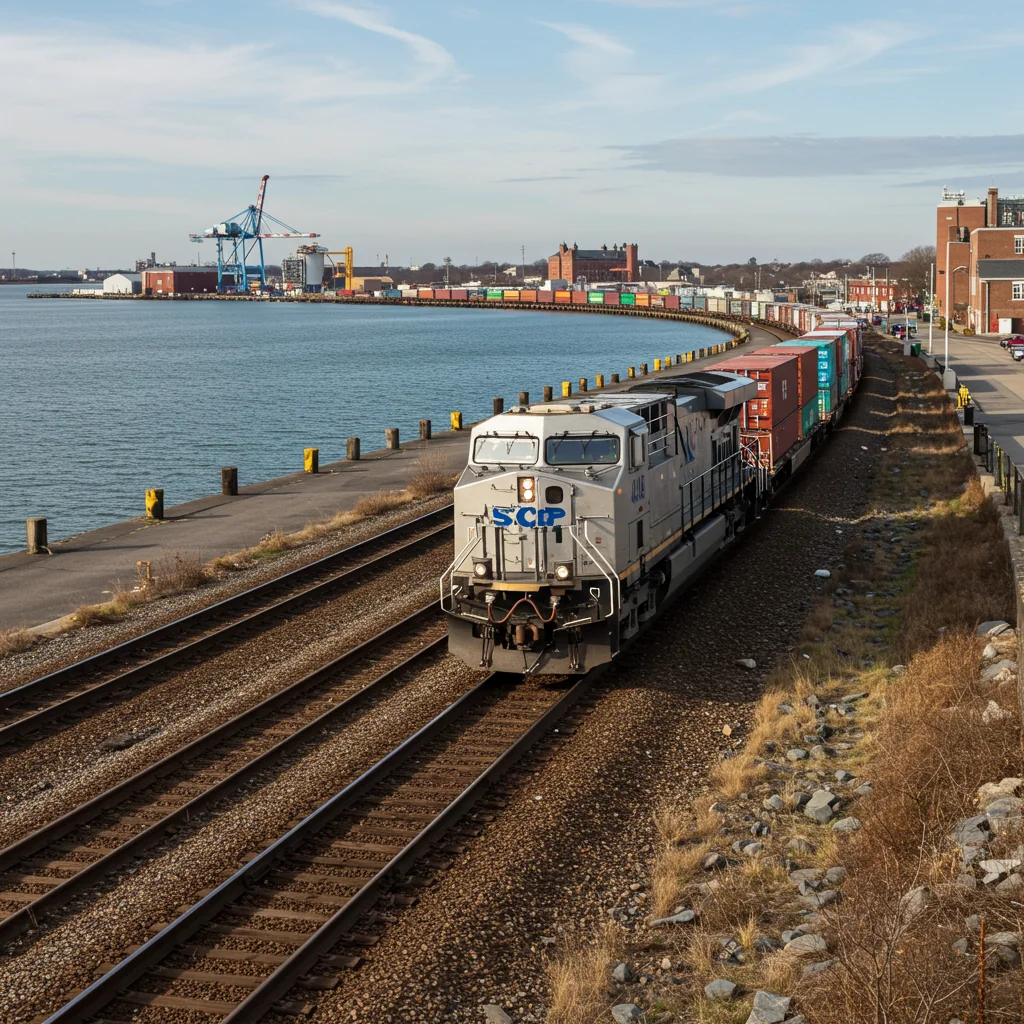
(996,627)
(714,862)
(972,831)
(844,777)
(807,945)
(835,876)
(769,1008)
(622,974)
(993,713)
(823,574)
(1011,939)
(773,803)
(720,989)
(850,824)
(766,944)
(999,866)
(819,968)
(1006,956)
(626,1012)
(820,807)
(1013,883)
(993,670)
(800,846)
(796,754)
(748,663)
(815,900)
(916,901)
(683,917)
(995,790)
(864,789)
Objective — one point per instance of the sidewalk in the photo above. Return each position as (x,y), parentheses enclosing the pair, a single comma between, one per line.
(37,589)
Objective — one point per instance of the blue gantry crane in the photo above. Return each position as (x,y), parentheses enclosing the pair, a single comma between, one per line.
(244,234)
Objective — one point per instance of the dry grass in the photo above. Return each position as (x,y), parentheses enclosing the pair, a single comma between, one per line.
(14,641)
(432,475)
(381,502)
(673,872)
(178,572)
(578,980)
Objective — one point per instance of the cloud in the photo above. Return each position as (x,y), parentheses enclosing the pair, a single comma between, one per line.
(808,156)
(431,55)
(589,38)
(541,177)
(728,7)
(965,181)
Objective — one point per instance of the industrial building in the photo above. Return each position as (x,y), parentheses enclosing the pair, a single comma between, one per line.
(979,247)
(179,280)
(122,284)
(619,263)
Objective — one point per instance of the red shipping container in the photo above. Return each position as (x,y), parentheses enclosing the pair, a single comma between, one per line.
(528,296)
(777,388)
(774,444)
(442,293)
(579,298)
(545,296)
(425,293)
(611,299)
(671,301)
(459,294)
(807,369)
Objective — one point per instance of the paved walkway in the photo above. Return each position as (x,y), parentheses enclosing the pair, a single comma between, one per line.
(38,589)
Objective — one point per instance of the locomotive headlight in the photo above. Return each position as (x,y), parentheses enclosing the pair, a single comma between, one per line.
(527,490)
(482,568)
(563,570)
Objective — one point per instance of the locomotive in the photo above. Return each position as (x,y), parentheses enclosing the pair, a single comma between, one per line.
(575,520)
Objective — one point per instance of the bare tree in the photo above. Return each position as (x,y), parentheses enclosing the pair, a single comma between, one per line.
(915,265)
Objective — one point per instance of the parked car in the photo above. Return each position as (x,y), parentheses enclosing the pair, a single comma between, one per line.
(1018,353)
(1013,346)
(1009,339)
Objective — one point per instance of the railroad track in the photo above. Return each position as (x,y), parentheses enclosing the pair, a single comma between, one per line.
(301,909)
(119,673)
(48,867)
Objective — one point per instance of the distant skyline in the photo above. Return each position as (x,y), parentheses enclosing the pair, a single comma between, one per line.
(707,130)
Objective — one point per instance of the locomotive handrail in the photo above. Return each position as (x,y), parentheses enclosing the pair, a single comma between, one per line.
(450,571)
(599,560)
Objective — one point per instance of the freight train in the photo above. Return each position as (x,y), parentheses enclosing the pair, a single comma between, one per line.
(576,520)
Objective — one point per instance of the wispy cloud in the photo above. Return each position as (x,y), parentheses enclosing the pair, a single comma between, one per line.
(588,37)
(806,156)
(541,177)
(729,7)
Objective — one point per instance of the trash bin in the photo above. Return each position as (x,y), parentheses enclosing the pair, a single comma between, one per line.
(968,415)
(915,348)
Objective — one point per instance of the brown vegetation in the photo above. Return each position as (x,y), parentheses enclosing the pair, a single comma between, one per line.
(14,641)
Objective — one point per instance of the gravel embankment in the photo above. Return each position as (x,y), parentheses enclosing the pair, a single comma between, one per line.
(52,653)
(64,768)
(578,831)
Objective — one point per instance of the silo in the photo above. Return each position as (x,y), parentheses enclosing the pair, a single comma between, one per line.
(314,258)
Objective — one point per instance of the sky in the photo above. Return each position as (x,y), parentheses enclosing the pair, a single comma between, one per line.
(704,130)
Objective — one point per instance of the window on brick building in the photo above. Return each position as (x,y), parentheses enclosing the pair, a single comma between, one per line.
(1018,290)
(1018,245)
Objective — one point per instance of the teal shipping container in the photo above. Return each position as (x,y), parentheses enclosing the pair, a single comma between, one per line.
(627,299)
(700,302)
(810,417)
(826,400)
(827,376)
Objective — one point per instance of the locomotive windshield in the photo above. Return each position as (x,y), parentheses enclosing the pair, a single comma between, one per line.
(583,451)
(520,449)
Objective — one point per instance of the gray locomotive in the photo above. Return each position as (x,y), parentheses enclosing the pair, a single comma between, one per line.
(575,519)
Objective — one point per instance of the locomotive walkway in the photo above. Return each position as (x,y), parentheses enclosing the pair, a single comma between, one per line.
(38,589)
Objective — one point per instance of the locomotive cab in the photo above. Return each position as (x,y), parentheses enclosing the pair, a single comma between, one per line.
(568,513)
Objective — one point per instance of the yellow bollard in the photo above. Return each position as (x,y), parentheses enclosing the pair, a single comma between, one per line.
(631,371)
(599,380)
(657,365)
(456,421)
(668,362)
(566,388)
(155,503)
(311,460)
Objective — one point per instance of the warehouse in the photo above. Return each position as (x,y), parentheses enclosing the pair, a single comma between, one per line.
(619,263)
(122,284)
(181,280)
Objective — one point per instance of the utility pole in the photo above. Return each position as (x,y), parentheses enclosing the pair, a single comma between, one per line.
(522,253)
(14,264)
(931,304)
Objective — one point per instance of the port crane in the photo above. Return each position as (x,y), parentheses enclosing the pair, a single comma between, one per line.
(349,264)
(244,234)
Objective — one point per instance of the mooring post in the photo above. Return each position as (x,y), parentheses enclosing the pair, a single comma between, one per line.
(391,438)
(352,449)
(424,430)
(35,535)
(311,460)
(155,503)
(229,480)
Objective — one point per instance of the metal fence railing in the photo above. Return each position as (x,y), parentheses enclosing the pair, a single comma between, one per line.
(1008,477)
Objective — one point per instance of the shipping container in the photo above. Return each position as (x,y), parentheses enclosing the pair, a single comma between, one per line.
(700,302)
(807,369)
(511,295)
(627,299)
(686,302)
(773,445)
(755,310)
(392,293)
(459,294)
(828,357)
(828,399)
(611,299)
(528,296)
(565,297)
(579,298)
(495,294)
(543,296)
(443,293)
(810,417)
(595,298)
(671,301)
(643,299)
(657,300)
(777,389)
(425,293)
(745,307)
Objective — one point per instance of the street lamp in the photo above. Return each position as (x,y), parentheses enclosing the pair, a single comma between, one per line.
(948,376)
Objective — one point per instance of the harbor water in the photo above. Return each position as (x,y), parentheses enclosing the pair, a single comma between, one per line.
(100,400)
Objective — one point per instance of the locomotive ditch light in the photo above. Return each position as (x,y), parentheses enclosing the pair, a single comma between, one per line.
(563,570)
(527,489)
(482,568)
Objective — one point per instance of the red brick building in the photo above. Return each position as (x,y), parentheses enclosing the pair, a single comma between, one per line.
(180,280)
(619,263)
(876,293)
(985,243)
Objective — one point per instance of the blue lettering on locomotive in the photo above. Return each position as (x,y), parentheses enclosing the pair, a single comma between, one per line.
(638,488)
(526,516)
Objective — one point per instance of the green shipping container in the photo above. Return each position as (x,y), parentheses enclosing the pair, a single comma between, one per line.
(495,296)
(627,299)
(810,417)
(597,297)
(826,400)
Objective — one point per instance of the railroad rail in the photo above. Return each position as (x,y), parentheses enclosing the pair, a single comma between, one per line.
(316,887)
(30,706)
(169,792)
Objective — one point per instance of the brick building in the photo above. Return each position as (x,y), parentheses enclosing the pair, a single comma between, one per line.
(619,263)
(181,280)
(985,237)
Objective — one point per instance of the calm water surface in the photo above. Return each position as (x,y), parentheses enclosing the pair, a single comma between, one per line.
(101,399)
